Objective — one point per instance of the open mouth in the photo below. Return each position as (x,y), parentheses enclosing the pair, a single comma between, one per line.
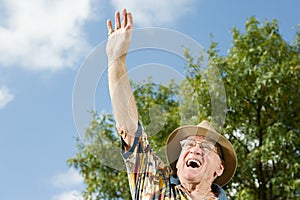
(194,163)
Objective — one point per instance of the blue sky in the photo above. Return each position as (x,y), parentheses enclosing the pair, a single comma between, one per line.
(42,46)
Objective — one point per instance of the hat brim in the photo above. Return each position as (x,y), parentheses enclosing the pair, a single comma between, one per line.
(228,153)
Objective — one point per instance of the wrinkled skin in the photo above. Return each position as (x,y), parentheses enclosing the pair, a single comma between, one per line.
(197,170)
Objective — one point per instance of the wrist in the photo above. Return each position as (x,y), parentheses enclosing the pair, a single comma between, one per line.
(116,59)
(118,64)
(117,67)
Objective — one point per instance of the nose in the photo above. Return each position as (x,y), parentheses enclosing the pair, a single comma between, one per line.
(196,150)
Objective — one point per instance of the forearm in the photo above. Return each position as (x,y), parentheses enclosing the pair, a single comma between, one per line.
(123,103)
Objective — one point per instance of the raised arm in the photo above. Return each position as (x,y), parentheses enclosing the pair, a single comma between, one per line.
(123,103)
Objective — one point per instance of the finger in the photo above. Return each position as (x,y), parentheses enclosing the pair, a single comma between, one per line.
(117,20)
(124,18)
(129,24)
(109,27)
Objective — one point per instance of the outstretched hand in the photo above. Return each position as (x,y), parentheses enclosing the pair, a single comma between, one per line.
(119,37)
(124,106)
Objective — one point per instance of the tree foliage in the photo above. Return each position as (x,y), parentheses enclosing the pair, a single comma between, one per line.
(261,76)
(94,159)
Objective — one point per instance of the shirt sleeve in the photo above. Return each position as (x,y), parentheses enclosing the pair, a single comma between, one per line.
(147,173)
(220,191)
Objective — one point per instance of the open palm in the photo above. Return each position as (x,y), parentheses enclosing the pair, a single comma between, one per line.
(119,38)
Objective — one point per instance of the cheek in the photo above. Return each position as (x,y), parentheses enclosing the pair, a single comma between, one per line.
(213,163)
(180,162)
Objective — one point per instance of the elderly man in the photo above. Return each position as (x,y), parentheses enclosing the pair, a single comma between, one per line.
(201,159)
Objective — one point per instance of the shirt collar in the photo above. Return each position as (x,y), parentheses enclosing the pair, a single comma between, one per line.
(174,180)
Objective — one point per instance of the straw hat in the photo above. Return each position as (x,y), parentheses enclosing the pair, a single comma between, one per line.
(207,130)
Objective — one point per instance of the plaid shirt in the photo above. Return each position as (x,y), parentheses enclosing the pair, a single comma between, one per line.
(150,178)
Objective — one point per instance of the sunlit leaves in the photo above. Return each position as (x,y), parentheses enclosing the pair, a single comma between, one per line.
(263,92)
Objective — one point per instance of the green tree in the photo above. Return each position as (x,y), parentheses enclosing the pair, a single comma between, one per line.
(102,181)
(261,76)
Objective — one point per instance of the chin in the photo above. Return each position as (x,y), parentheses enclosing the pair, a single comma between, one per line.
(190,180)
(191,175)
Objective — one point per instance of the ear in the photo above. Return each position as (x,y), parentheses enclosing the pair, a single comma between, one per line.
(176,164)
(220,170)
(179,160)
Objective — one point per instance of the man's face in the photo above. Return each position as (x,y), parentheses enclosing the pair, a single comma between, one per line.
(199,161)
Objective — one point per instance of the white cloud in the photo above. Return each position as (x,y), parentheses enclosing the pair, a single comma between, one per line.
(41,34)
(156,12)
(68,195)
(5,96)
(69,179)
(70,182)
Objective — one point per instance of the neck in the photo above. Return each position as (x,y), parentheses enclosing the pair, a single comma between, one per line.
(198,191)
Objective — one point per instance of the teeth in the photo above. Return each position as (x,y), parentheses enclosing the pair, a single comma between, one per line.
(193,163)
